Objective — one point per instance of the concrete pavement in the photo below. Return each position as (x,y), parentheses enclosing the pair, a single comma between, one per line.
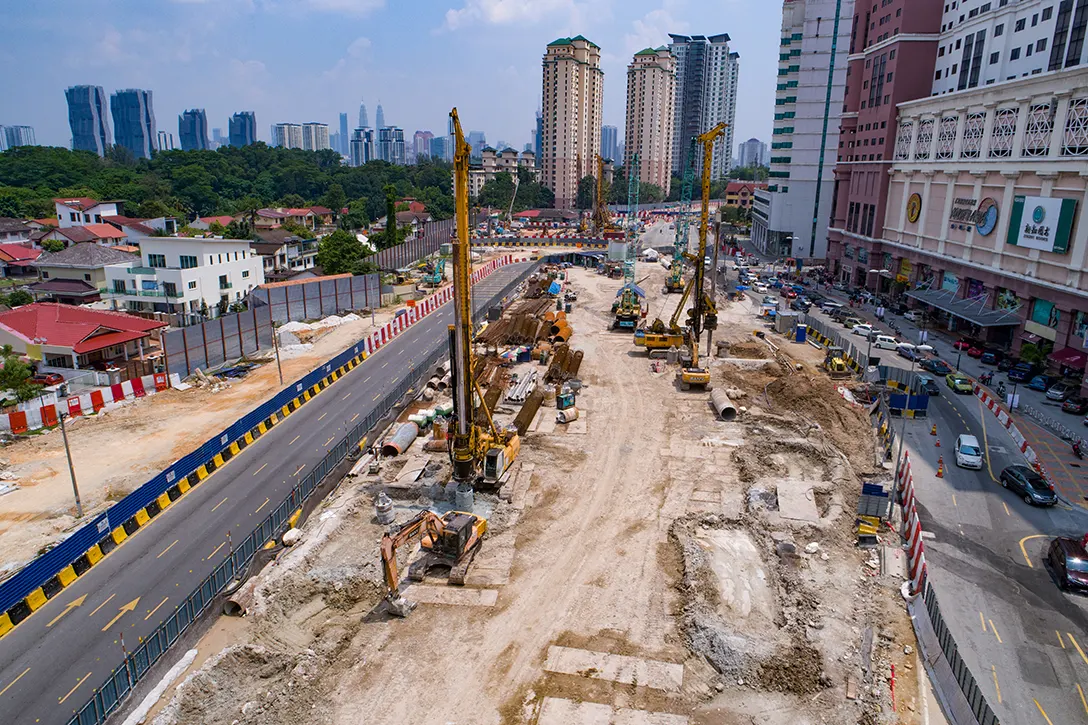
(51,662)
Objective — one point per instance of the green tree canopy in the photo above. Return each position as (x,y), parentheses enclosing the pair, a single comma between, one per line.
(52,245)
(587,193)
(339,252)
(15,374)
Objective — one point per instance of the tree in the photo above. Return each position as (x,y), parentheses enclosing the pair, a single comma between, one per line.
(335,199)
(618,193)
(339,252)
(291,201)
(356,218)
(155,208)
(650,194)
(239,229)
(53,245)
(390,216)
(587,193)
(299,230)
(19,297)
(217,229)
(15,374)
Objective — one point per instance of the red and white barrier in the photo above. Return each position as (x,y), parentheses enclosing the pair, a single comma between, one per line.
(912,527)
(33,415)
(994,406)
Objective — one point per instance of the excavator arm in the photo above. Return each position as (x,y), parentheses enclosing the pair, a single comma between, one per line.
(425,522)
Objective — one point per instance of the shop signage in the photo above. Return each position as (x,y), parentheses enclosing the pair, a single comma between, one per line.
(968,214)
(950,282)
(1042,223)
(904,271)
(1007,300)
(914,207)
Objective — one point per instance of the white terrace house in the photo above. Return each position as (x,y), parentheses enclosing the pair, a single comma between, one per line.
(180,275)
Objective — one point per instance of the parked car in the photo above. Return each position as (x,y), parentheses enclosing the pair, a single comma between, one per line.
(1025,481)
(850,322)
(1042,382)
(1068,560)
(1061,391)
(1077,405)
(760,287)
(1008,363)
(789,294)
(885,342)
(47,379)
(1021,372)
(959,383)
(928,386)
(769,300)
(968,452)
(962,344)
(991,357)
(913,316)
(975,351)
(863,329)
(801,305)
(936,366)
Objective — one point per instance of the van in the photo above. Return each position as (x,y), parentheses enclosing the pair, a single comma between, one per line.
(885,342)
(968,452)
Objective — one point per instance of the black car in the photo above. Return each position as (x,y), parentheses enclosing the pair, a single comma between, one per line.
(801,305)
(1076,405)
(936,366)
(1022,372)
(928,386)
(1069,562)
(1007,363)
(991,357)
(1025,481)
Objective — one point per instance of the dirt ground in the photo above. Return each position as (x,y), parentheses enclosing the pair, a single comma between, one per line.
(646,565)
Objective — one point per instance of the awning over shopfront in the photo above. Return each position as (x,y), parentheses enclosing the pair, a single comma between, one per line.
(972,310)
(1070,357)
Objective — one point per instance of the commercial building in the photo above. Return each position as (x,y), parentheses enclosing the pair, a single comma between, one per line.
(573,84)
(884,71)
(983,42)
(193,130)
(88,119)
(343,138)
(363,120)
(287,135)
(477,141)
(183,275)
(391,145)
(379,117)
(134,121)
(752,152)
(362,146)
(651,105)
(242,129)
(218,139)
(13,136)
(985,214)
(790,218)
(165,141)
(706,95)
(538,138)
(440,148)
(315,136)
(421,145)
(610,139)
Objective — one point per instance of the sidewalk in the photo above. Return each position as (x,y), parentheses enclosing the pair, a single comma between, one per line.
(1068,474)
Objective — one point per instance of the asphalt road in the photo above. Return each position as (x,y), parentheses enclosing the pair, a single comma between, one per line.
(50,663)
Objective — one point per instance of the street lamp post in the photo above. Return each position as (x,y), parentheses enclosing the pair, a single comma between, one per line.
(959,355)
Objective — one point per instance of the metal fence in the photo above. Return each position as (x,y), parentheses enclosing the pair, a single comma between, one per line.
(966,681)
(232,336)
(435,234)
(135,666)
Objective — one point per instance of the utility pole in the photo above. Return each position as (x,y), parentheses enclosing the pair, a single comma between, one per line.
(71,467)
(276,345)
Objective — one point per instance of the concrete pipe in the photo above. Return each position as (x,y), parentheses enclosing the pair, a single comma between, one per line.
(241,600)
(398,443)
(561,332)
(723,406)
(432,384)
(444,382)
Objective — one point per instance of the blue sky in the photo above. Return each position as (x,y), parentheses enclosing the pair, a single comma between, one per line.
(308,60)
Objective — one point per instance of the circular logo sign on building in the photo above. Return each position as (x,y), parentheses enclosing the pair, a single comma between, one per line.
(914,207)
(986,217)
(1039,215)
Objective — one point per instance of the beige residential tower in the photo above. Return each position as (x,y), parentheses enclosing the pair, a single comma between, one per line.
(651,100)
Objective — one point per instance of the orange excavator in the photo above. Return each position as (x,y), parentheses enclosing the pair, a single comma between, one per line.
(450,541)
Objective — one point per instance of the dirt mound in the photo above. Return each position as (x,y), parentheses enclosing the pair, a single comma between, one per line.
(749,350)
(796,670)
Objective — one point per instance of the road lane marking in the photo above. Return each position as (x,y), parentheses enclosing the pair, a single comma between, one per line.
(1025,551)
(102,605)
(1042,711)
(77,602)
(328,441)
(982,619)
(121,612)
(1077,645)
(220,503)
(260,469)
(366,379)
(954,500)
(262,505)
(171,545)
(216,550)
(346,396)
(14,681)
(996,686)
(1082,700)
(81,681)
(377,396)
(295,439)
(1060,640)
(995,632)
(385,364)
(354,418)
(1006,508)
(323,414)
(149,614)
(299,469)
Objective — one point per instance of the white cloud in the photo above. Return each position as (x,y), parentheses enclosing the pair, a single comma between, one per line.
(652,30)
(359,47)
(507,12)
(347,7)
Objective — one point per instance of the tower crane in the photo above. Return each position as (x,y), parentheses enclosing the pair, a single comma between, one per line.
(628,305)
(704,312)
(674,282)
(480,454)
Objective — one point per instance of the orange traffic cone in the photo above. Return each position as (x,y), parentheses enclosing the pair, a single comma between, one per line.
(940,467)
(938,445)
(933,430)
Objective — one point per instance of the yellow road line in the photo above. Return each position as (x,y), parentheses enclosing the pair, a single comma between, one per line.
(1025,551)
(1077,645)
(260,469)
(996,686)
(346,396)
(995,632)
(329,440)
(299,469)
(1042,711)
(149,614)
(262,505)
(102,605)
(377,396)
(216,550)
(954,500)
(169,547)
(81,681)
(1006,508)
(295,439)
(354,418)
(14,681)
(1060,640)
(986,443)
(982,620)
(1082,700)
(323,415)
(220,503)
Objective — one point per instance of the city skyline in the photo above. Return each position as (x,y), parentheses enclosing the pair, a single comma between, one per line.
(415,88)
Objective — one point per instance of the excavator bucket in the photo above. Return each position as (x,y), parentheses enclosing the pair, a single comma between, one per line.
(400,607)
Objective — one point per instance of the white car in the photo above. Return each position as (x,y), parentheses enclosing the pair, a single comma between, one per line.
(863,330)
(968,452)
(760,287)
(885,342)
(912,316)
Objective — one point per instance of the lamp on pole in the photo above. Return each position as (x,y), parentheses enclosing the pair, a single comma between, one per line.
(910,389)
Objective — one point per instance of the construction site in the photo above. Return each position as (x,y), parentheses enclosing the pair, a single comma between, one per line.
(579,521)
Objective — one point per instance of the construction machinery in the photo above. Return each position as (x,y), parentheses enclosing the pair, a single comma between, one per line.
(480,454)
(435,274)
(703,314)
(448,541)
(835,362)
(674,282)
(627,309)
(602,221)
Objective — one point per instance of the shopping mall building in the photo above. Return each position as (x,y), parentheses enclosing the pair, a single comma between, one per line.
(983,214)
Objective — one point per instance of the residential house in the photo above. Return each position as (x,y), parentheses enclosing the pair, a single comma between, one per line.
(186,275)
(17,260)
(135,228)
(105,235)
(415,220)
(75,212)
(284,253)
(204,223)
(301,217)
(62,336)
(269,218)
(323,217)
(14,230)
(76,275)
(742,193)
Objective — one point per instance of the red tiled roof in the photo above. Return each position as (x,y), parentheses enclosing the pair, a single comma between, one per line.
(79,328)
(320,210)
(18,253)
(299,212)
(272,214)
(85,233)
(130,222)
(529,213)
(223,220)
(47,222)
(79,202)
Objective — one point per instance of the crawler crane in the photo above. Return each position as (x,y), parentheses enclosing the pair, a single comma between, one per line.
(674,282)
(627,309)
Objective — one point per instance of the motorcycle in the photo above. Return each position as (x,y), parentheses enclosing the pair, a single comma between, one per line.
(986,379)
(1077,451)
(1001,389)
